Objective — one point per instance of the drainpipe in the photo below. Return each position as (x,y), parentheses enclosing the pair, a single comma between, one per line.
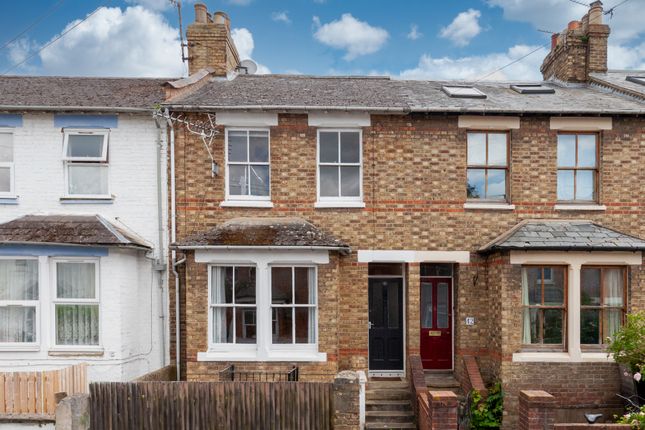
(161,262)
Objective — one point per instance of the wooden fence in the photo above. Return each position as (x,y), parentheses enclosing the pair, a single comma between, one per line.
(35,392)
(211,405)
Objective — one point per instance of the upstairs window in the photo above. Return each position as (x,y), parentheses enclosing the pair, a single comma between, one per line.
(602,303)
(248,165)
(6,164)
(19,304)
(544,292)
(487,166)
(577,167)
(85,154)
(339,165)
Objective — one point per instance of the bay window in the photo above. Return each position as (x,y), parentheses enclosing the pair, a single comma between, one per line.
(602,303)
(247,162)
(85,154)
(293,304)
(6,164)
(340,166)
(233,304)
(577,167)
(544,291)
(487,166)
(19,306)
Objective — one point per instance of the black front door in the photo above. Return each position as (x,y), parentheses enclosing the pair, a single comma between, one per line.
(386,324)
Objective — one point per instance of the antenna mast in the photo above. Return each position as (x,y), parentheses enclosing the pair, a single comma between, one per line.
(177,4)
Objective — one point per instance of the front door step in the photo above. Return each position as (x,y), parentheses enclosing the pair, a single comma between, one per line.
(388,405)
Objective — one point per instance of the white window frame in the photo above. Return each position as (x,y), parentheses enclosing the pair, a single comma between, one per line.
(225,346)
(20,346)
(241,197)
(351,201)
(56,301)
(101,161)
(293,345)
(11,165)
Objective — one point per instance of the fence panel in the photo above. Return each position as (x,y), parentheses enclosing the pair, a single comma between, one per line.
(34,392)
(211,405)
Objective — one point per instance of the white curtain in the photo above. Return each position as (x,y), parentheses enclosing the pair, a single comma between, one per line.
(19,283)
(218,279)
(76,280)
(312,311)
(76,324)
(613,283)
(526,332)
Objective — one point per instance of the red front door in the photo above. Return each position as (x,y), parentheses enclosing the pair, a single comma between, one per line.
(436,323)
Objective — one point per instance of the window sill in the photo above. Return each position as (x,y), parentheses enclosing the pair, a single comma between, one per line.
(574,207)
(284,355)
(8,200)
(339,204)
(246,204)
(98,352)
(561,357)
(489,206)
(87,200)
(19,348)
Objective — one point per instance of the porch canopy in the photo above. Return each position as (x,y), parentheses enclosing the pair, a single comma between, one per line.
(87,230)
(265,233)
(563,235)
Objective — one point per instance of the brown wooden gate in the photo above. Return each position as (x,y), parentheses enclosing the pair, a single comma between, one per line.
(211,405)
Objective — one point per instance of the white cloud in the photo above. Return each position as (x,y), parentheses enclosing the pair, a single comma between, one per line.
(478,66)
(622,57)
(281,17)
(414,33)
(463,28)
(348,33)
(115,42)
(244,43)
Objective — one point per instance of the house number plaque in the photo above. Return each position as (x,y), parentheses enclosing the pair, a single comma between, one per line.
(434,333)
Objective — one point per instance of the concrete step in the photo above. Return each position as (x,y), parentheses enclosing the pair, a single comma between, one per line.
(391,426)
(388,405)
(376,385)
(387,394)
(389,416)
(441,381)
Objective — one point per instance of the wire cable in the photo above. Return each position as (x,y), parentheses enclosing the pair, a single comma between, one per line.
(38,20)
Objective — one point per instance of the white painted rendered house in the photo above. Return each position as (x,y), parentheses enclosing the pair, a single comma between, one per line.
(83,226)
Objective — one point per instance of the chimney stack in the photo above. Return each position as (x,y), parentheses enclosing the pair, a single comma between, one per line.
(210,45)
(579,49)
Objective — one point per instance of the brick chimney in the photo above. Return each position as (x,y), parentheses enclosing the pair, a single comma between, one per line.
(580,49)
(210,45)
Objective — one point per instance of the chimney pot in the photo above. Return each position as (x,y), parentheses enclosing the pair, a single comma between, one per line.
(595,13)
(554,40)
(573,25)
(201,13)
(222,18)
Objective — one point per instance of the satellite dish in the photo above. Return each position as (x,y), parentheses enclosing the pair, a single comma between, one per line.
(249,67)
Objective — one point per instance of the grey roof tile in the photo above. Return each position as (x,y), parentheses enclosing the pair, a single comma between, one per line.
(617,79)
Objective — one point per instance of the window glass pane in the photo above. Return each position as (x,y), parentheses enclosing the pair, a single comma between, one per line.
(531,286)
(85,145)
(221,285)
(531,327)
(17,324)
(76,280)
(590,326)
(259,180)
(245,325)
(77,324)
(426,305)
(443,301)
(565,184)
(283,325)
(590,286)
(281,283)
(18,280)
(566,150)
(587,150)
(305,325)
(222,325)
(328,181)
(5,179)
(497,149)
(328,147)
(553,286)
(237,180)
(350,147)
(613,281)
(237,146)
(228,285)
(384,269)
(436,269)
(6,147)
(305,290)
(88,180)
(350,185)
(553,327)
(496,184)
(613,319)
(476,184)
(476,149)
(584,185)
(245,285)
(259,146)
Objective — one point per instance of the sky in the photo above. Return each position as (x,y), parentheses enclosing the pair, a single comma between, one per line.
(411,39)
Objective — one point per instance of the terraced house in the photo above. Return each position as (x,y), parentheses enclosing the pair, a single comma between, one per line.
(353,222)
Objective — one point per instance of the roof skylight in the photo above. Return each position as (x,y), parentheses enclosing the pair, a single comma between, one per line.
(532,89)
(463,91)
(636,79)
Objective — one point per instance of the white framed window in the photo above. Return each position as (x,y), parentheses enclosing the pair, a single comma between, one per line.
(340,170)
(232,305)
(19,302)
(293,305)
(7,168)
(75,304)
(85,154)
(248,167)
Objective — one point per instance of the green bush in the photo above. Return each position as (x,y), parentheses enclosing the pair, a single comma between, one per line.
(487,414)
(636,419)
(628,344)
